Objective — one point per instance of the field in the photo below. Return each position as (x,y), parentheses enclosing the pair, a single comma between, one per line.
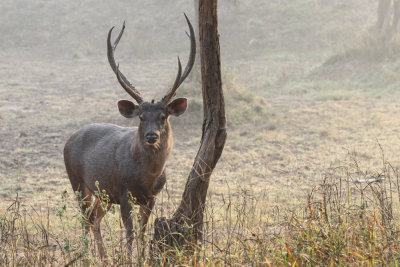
(313,112)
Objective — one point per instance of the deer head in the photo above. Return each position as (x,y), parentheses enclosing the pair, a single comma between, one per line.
(153,115)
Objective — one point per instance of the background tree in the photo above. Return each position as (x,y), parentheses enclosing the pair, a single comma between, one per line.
(388,19)
(185,227)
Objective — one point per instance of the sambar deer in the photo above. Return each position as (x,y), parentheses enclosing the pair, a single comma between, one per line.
(125,162)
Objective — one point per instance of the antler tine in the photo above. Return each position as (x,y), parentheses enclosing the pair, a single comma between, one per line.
(178,76)
(119,36)
(189,65)
(129,88)
(192,55)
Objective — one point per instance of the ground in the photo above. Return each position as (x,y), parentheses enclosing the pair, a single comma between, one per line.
(306,88)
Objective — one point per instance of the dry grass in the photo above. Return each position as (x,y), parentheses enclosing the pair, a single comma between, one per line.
(307,99)
(351,218)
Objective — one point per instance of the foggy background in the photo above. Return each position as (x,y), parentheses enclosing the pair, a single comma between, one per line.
(305,83)
(310,169)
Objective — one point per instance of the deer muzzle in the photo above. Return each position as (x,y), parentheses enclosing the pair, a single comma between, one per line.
(152,138)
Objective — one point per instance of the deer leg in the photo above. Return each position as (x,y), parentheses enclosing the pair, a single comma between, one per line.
(84,196)
(93,212)
(86,225)
(146,209)
(126,209)
(144,212)
(96,216)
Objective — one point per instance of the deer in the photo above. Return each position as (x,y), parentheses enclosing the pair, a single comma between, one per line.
(125,162)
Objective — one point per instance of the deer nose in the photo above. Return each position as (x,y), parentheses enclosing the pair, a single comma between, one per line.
(151,138)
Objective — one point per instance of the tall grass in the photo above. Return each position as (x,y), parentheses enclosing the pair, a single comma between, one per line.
(351,218)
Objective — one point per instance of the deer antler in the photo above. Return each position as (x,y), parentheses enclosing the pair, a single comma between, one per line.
(129,88)
(179,79)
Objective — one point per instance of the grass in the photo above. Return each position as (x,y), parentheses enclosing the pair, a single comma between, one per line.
(351,218)
(307,98)
(242,105)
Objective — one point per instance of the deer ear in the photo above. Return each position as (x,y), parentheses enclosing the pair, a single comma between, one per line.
(177,107)
(128,109)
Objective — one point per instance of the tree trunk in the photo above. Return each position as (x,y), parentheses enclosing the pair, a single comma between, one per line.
(383,14)
(185,227)
(396,15)
(388,19)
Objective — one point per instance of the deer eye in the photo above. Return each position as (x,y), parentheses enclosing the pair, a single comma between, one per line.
(162,117)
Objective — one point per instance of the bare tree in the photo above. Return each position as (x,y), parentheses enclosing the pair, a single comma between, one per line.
(185,227)
(388,19)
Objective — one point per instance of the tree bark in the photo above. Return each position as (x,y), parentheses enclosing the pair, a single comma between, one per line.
(383,13)
(396,15)
(185,227)
(388,19)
